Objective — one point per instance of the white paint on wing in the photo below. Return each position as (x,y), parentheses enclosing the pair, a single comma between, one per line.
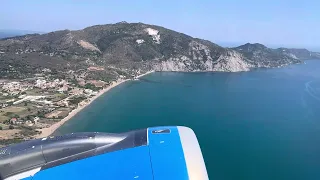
(24,174)
(192,154)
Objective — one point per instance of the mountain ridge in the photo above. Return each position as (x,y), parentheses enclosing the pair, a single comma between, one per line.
(7,33)
(135,47)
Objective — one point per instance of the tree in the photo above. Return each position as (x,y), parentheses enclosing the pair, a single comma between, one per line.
(29,117)
(91,86)
(9,114)
(76,100)
(41,114)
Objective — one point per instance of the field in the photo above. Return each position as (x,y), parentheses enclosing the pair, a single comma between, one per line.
(9,134)
(60,113)
(12,111)
(3,118)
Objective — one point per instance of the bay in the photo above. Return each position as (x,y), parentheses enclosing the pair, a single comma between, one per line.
(262,124)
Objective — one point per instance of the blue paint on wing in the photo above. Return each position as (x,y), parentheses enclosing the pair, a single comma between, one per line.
(133,163)
(166,154)
(162,159)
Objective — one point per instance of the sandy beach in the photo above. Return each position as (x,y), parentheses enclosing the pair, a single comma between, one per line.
(48,131)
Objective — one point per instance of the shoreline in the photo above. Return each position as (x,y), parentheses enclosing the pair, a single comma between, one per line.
(141,75)
(45,132)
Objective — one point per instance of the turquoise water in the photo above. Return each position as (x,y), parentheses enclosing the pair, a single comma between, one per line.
(263,124)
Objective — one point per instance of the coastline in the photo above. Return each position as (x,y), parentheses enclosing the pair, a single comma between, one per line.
(141,75)
(45,132)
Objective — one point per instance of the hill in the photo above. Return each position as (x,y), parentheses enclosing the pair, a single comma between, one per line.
(5,33)
(128,48)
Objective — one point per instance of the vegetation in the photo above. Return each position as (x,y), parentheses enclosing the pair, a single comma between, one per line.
(29,117)
(106,76)
(75,82)
(10,141)
(77,100)
(92,87)
(28,132)
(11,115)
(118,42)
(41,114)
(8,113)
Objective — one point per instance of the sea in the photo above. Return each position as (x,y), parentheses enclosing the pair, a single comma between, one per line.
(257,125)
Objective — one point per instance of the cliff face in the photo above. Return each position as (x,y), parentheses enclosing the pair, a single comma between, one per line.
(137,47)
(231,61)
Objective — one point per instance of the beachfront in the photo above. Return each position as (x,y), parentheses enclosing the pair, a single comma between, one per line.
(50,130)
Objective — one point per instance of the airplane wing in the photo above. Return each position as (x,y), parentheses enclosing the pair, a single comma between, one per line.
(159,153)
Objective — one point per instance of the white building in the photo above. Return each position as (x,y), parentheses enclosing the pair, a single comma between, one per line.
(36,119)
(40,83)
(88,91)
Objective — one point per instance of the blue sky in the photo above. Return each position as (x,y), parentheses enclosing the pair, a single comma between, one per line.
(290,23)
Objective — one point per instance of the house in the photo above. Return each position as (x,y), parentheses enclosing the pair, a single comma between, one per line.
(3,105)
(40,83)
(19,122)
(63,88)
(88,91)
(62,103)
(29,123)
(13,121)
(36,119)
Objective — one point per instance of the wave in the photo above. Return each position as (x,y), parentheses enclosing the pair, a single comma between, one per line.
(310,101)
(313,92)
